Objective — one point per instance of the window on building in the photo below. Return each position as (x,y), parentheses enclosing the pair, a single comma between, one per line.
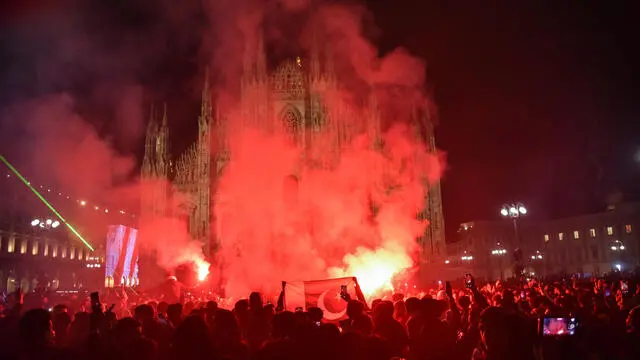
(576,234)
(11,244)
(609,230)
(45,251)
(560,236)
(592,232)
(54,251)
(72,253)
(63,252)
(34,248)
(627,229)
(23,246)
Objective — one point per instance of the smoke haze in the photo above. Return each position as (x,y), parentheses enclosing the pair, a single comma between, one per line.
(355,209)
(98,67)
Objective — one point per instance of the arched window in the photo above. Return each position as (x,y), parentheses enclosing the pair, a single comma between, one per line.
(291,120)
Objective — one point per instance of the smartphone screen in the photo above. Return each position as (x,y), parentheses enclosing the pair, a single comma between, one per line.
(559,326)
(624,287)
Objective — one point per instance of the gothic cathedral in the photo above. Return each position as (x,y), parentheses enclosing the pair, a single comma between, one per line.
(285,99)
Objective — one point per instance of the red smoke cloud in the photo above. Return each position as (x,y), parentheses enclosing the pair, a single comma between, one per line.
(267,232)
(59,145)
(330,229)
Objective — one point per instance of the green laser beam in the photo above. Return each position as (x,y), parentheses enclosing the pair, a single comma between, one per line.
(44,201)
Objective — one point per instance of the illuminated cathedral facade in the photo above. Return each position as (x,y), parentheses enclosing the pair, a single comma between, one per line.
(288,99)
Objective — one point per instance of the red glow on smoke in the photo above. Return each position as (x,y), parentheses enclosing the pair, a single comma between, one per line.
(361,175)
(325,225)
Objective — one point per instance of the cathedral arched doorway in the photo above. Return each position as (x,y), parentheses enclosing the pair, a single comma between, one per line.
(291,121)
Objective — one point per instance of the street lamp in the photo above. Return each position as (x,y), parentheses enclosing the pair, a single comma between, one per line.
(466,257)
(514,211)
(47,224)
(537,256)
(617,246)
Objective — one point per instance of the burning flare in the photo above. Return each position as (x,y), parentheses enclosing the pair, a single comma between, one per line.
(374,269)
(202,269)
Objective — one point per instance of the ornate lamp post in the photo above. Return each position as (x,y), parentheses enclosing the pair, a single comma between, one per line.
(514,211)
(47,224)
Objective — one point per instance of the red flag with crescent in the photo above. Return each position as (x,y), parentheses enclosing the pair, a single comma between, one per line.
(324,294)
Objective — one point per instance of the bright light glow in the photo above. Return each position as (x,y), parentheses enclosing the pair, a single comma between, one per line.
(621,247)
(35,222)
(374,269)
(55,224)
(614,248)
(106,211)
(513,210)
(619,267)
(533,257)
(446,261)
(523,210)
(504,212)
(49,221)
(202,268)
(539,256)
(83,203)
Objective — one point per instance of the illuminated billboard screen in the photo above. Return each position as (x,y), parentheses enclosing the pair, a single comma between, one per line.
(121,263)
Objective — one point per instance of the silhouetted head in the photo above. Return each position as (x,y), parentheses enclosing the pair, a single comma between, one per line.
(144,313)
(255,301)
(36,328)
(315,314)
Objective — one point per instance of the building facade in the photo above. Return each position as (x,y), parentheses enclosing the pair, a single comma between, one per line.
(289,99)
(37,250)
(590,244)
(31,261)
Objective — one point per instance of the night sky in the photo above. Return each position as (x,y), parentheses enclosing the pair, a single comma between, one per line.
(538,102)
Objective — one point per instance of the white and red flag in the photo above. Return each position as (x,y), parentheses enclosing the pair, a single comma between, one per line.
(324,294)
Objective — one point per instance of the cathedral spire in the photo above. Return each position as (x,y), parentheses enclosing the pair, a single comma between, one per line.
(149,147)
(206,110)
(164,119)
(261,57)
(152,126)
(162,146)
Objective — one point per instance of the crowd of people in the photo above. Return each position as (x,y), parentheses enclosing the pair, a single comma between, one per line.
(493,321)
